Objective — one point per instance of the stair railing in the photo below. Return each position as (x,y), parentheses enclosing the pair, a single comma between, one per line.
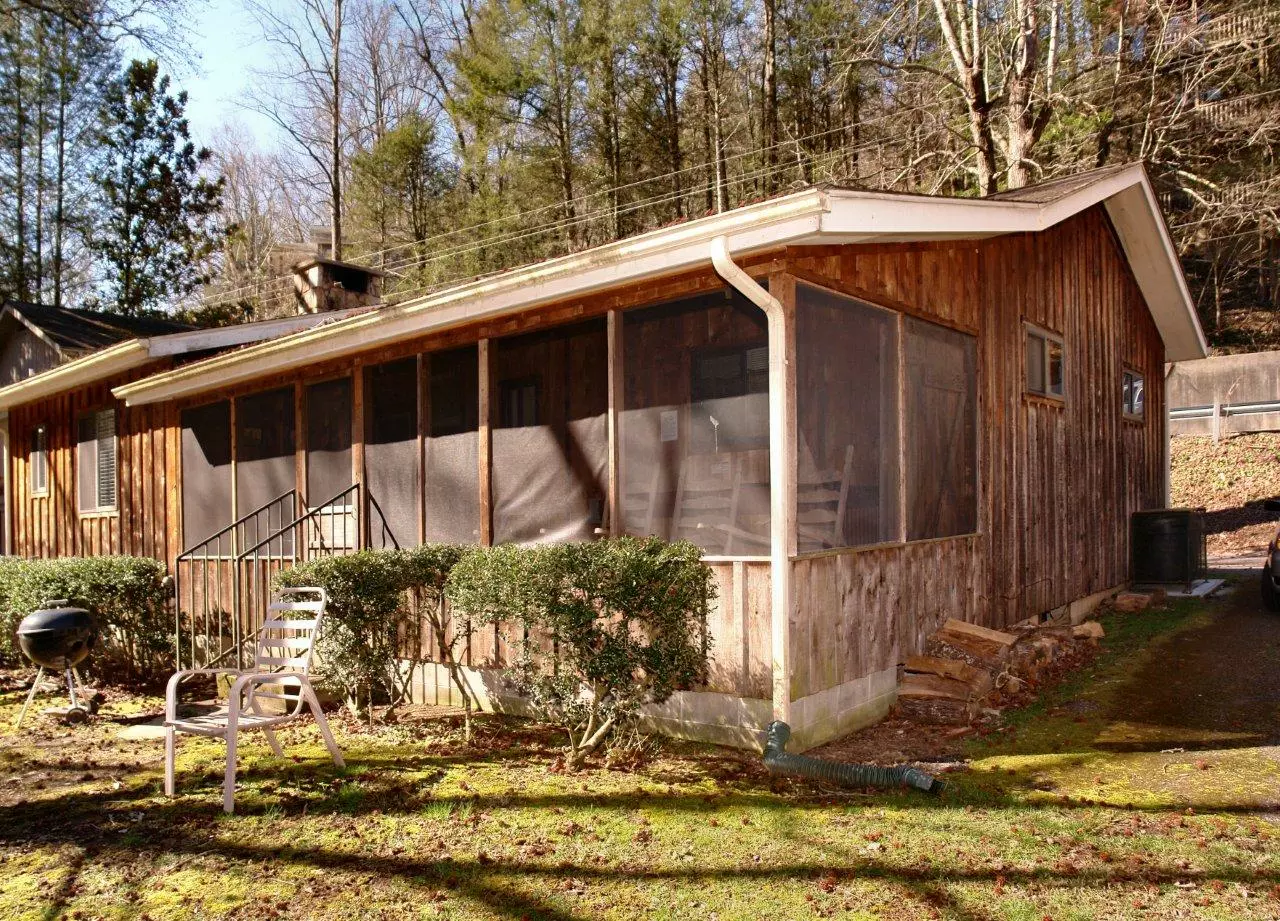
(201,576)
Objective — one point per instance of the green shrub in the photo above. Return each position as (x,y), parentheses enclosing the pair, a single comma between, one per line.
(626,616)
(128,596)
(375,597)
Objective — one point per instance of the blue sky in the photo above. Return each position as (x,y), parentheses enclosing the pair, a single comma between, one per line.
(225,49)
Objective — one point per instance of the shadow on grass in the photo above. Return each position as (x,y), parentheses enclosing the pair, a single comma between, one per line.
(87,821)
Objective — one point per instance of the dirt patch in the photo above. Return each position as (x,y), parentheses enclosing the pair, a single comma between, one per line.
(1230,480)
(897,740)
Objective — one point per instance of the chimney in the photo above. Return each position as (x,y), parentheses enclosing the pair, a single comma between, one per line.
(322,284)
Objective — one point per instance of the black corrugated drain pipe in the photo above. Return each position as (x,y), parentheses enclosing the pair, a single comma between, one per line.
(777,761)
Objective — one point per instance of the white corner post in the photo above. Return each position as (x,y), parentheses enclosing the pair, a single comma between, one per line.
(781,327)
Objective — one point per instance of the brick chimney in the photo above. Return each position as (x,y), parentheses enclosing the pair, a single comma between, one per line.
(322,284)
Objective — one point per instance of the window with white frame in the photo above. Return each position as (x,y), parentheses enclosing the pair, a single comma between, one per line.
(39,461)
(1133,394)
(96,461)
(1046,375)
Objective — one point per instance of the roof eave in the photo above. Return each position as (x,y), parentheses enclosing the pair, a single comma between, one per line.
(115,359)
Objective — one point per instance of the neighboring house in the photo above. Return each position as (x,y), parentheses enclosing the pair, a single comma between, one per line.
(872,411)
(35,338)
(1225,395)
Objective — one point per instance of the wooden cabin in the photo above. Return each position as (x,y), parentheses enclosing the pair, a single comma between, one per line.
(871,411)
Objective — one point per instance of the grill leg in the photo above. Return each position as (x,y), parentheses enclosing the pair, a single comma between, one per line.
(71,689)
(35,686)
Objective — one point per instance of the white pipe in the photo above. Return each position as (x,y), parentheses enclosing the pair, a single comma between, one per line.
(780,487)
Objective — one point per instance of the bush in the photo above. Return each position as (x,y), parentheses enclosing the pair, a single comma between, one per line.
(128,596)
(626,616)
(371,622)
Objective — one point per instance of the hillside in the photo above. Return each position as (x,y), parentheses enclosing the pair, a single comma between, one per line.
(1230,480)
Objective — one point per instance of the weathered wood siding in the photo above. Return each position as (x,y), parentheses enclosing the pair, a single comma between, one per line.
(145,522)
(1057,480)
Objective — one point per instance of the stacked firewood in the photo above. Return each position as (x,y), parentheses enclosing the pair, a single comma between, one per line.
(968,669)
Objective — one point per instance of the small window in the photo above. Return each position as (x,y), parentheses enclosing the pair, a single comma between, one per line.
(39,461)
(1045,364)
(96,460)
(1133,395)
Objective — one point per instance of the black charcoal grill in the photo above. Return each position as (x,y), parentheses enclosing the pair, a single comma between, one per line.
(58,637)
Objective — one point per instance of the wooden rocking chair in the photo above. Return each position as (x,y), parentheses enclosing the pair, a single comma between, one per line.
(281,673)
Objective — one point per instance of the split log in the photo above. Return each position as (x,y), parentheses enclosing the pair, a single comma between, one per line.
(979,646)
(937,710)
(979,680)
(933,686)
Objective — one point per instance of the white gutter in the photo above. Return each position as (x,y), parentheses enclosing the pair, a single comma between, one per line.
(781,488)
(77,373)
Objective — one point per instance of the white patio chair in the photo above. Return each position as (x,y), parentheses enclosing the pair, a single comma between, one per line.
(282,663)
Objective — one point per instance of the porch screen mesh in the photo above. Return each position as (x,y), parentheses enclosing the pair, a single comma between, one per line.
(266,463)
(206,472)
(328,440)
(847,421)
(452,473)
(550,435)
(391,453)
(695,424)
(941,417)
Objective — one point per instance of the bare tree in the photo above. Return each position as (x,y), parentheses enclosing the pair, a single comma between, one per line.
(303,93)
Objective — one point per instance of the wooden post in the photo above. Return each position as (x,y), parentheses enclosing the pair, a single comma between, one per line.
(485,446)
(616,383)
(300,444)
(1217,421)
(357,453)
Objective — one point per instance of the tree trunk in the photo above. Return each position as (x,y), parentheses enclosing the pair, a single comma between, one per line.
(769,115)
(335,133)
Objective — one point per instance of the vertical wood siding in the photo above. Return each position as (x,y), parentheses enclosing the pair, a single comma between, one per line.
(1057,481)
(146,519)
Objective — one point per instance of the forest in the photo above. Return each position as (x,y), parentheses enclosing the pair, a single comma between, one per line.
(438,140)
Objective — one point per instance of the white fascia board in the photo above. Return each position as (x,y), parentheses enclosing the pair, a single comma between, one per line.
(876,216)
(1154,261)
(793,219)
(78,373)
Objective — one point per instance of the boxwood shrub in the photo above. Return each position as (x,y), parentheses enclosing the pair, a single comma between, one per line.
(128,596)
(375,600)
(626,620)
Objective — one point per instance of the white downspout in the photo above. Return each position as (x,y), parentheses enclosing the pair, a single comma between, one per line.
(779,471)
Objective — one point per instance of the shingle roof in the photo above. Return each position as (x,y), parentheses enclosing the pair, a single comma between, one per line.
(1044,193)
(85,330)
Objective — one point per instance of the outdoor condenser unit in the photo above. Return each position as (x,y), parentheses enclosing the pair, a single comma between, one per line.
(1167,545)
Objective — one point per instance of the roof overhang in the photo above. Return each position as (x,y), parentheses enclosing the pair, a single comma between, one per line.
(134,353)
(810,217)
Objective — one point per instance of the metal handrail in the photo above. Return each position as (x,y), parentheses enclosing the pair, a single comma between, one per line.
(200,554)
(353,488)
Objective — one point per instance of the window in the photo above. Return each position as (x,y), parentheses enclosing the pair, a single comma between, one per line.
(206,471)
(96,461)
(1045,375)
(39,461)
(550,443)
(694,426)
(1132,394)
(847,422)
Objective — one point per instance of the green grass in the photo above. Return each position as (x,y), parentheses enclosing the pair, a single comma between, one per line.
(424,825)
